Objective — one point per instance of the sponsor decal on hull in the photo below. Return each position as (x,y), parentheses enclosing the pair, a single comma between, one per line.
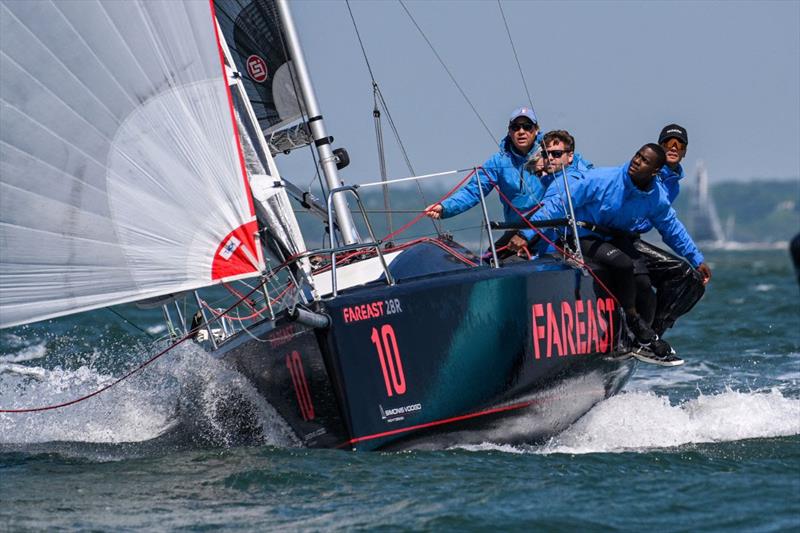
(396,414)
(282,335)
(572,328)
(378,309)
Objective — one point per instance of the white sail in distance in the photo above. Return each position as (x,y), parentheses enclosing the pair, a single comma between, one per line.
(121,174)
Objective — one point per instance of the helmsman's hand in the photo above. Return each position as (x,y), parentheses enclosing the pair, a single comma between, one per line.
(434,211)
(518,244)
(705,272)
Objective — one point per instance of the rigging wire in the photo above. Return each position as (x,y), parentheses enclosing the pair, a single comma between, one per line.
(115,312)
(452,78)
(516,57)
(378,95)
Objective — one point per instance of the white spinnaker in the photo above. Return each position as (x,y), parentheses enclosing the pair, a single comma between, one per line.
(120,173)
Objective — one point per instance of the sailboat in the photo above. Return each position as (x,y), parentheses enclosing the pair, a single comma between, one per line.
(136,154)
(705,222)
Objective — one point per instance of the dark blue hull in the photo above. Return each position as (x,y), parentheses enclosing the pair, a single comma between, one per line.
(509,355)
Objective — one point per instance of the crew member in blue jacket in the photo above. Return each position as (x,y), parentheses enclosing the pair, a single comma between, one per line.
(678,286)
(674,139)
(506,168)
(618,198)
(560,158)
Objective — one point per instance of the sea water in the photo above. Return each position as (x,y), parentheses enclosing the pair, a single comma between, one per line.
(711,445)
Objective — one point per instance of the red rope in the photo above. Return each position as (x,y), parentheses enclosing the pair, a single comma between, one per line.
(257,312)
(237,294)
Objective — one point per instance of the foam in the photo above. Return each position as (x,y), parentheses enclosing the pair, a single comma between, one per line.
(639,421)
(157,329)
(490,447)
(29,353)
(185,387)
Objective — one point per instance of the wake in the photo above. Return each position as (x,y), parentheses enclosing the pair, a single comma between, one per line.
(643,421)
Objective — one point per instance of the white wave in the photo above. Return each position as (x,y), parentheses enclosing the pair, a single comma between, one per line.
(139,409)
(489,447)
(640,420)
(29,353)
(155,330)
(790,377)
(11,340)
(23,370)
(764,287)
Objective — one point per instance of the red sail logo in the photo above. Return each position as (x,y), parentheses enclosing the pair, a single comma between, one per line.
(257,68)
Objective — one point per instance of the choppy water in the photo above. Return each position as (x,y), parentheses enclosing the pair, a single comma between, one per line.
(712,445)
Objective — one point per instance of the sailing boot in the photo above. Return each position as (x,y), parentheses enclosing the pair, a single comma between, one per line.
(651,349)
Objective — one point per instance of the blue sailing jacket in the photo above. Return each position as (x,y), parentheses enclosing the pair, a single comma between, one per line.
(608,197)
(506,168)
(669,179)
(579,163)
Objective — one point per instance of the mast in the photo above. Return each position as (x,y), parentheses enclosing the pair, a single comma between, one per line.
(321,139)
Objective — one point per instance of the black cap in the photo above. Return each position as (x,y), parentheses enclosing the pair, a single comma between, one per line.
(673,131)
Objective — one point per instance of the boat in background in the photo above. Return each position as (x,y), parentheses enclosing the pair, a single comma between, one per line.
(137,166)
(703,221)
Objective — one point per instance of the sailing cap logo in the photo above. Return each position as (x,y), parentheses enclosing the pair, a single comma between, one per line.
(523,111)
(673,131)
(257,68)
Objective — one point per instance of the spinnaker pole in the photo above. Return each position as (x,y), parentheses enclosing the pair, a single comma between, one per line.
(317,126)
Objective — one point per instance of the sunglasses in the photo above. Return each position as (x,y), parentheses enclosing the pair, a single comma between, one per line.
(527,126)
(555,154)
(673,143)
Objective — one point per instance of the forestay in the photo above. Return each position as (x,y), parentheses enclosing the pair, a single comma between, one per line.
(122,176)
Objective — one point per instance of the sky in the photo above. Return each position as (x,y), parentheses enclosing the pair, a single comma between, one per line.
(612,73)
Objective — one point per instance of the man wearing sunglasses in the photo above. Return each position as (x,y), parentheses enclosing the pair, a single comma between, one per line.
(674,140)
(616,199)
(558,154)
(506,168)
(678,286)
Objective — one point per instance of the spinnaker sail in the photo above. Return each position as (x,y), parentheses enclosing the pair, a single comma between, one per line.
(121,174)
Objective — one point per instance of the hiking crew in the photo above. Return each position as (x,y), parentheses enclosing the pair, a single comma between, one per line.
(620,198)
(678,286)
